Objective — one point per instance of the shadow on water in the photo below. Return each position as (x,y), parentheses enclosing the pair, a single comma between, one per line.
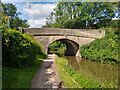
(101,72)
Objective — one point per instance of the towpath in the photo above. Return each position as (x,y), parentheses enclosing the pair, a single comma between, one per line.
(47,75)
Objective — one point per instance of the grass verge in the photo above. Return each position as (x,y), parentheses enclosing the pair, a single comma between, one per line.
(20,77)
(64,76)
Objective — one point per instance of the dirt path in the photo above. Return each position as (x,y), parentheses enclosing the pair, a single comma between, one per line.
(47,75)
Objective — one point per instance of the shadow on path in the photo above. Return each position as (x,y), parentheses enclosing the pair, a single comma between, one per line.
(46,75)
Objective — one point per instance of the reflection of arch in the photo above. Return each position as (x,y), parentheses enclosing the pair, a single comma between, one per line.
(72,46)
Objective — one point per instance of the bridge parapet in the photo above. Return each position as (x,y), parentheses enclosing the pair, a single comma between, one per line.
(65,32)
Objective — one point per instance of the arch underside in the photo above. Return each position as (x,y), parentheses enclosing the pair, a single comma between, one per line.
(72,43)
(72,47)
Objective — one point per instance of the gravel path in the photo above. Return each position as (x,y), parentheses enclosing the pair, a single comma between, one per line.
(47,75)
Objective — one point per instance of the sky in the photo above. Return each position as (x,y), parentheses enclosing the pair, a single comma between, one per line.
(35,12)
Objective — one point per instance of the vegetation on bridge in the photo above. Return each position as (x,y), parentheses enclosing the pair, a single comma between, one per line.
(104,50)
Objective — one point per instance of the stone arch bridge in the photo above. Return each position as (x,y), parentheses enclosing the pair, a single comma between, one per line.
(73,38)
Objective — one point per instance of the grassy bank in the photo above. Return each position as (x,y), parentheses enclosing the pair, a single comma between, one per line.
(67,74)
(67,80)
(20,77)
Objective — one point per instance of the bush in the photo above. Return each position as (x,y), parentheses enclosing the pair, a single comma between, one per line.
(103,50)
(19,49)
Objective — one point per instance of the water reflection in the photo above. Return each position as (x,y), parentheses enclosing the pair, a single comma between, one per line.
(102,72)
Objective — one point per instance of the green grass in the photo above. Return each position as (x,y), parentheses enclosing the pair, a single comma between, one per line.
(67,80)
(20,77)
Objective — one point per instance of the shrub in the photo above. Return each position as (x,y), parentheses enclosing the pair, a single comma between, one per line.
(19,49)
(104,49)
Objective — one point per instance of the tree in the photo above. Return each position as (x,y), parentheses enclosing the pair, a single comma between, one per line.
(10,11)
(82,15)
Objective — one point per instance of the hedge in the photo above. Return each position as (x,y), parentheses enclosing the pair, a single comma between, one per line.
(104,50)
(19,49)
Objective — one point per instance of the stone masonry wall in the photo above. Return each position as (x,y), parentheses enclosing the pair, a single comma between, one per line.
(68,32)
(46,36)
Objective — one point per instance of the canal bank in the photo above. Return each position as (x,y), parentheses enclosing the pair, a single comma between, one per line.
(86,73)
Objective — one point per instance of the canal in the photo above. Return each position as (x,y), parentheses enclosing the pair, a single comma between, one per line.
(103,73)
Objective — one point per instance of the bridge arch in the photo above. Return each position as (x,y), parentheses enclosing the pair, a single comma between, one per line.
(72,46)
(71,37)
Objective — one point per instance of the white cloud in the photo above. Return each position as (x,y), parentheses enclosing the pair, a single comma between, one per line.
(38,13)
(37,22)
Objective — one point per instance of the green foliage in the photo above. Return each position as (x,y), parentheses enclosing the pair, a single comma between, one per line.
(103,50)
(113,24)
(19,49)
(10,10)
(81,15)
(57,47)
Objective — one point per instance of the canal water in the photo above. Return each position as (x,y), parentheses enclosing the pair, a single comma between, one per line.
(101,72)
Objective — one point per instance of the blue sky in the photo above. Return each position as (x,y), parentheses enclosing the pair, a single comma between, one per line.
(35,12)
